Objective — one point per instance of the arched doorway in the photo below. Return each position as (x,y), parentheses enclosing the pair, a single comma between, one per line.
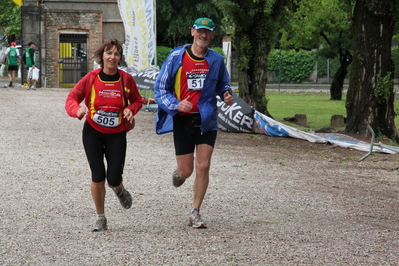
(72,58)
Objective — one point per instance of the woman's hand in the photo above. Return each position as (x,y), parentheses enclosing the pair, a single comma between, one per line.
(81,112)
(128,114)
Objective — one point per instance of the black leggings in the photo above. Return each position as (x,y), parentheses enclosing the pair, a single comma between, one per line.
(112,146)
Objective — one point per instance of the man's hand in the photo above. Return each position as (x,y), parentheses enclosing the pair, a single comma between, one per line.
(228,98)
(185,106)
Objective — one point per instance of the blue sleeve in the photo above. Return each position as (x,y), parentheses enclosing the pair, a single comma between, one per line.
(164,87)
(223,80)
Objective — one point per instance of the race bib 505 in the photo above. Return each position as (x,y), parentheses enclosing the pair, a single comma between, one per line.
(106,118)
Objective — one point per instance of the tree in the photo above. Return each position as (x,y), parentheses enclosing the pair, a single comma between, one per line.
(324,24)
(10,18)
(370,99)
(175,17)
(256,24)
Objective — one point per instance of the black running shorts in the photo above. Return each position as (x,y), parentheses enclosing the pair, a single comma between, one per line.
(187,134)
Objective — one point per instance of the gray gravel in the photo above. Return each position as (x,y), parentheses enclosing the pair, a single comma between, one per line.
(271,201)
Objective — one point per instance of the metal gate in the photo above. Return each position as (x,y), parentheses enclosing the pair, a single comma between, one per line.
(72,59)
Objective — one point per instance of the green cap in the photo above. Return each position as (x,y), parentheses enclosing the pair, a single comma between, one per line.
(204,23)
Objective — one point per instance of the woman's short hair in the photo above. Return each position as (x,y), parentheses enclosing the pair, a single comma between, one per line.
(98,55)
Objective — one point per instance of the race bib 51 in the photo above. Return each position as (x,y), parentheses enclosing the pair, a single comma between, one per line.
(195,81)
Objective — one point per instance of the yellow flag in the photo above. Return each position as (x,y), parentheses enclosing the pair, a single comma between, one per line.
(19,2)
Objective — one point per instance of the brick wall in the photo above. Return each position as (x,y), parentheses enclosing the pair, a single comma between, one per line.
(62,21)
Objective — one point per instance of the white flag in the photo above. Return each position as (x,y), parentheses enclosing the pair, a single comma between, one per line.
(138,18)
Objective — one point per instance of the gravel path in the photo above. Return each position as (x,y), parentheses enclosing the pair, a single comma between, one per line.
(271,201)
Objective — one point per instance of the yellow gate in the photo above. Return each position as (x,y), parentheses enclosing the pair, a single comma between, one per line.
(72,59)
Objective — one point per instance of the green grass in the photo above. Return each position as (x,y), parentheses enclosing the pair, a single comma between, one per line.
(147,93)
(316,105)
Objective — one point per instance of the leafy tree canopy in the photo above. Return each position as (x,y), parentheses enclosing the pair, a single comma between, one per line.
(322,23)
(10,18)
(176,17)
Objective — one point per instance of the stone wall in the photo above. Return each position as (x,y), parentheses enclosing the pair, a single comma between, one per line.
(61,21)
(44,21)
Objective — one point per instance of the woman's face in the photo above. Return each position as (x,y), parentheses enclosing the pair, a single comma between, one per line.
(111,58)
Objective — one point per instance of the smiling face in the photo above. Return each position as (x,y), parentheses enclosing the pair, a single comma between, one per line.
(202,37)
(111,59)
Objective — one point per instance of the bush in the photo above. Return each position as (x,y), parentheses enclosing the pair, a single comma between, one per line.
(294,65)
(162,53)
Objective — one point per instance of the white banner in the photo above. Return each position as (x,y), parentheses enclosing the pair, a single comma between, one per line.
(273,128)
(139,19)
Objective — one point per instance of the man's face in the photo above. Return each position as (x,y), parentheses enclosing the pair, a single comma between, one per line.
(202,37)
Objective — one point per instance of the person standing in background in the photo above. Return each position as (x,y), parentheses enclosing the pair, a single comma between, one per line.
(30,62)
(185,90)
(12,56)
(111,99)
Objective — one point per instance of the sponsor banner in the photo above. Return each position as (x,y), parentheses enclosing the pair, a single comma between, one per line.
(145,79)
(138,19)
(238,117)
(272,128)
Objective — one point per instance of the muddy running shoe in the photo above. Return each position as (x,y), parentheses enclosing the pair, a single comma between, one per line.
(101,224)
(177,180)
(124,198)
(195,221)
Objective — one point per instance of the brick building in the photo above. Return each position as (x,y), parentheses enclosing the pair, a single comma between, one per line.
(66,34)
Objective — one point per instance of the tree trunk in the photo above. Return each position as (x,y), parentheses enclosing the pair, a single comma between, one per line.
(337,85)
(252,80)
(255,32)
(370,99)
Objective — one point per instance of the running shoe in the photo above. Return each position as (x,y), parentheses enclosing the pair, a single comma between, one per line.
(101,224)
(177,180)
(33,87)
(124,198)
(195,221)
